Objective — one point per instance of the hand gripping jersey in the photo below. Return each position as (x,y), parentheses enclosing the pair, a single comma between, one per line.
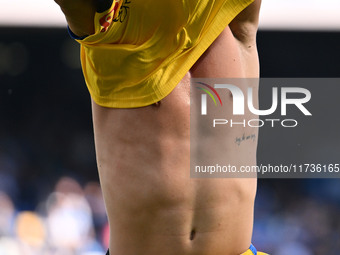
(141,49)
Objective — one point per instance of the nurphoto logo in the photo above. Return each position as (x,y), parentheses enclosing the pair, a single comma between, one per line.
(239,101)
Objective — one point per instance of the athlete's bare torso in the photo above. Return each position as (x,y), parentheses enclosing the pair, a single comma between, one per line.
(143,156)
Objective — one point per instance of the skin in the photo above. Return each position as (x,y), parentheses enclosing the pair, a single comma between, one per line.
(143,157)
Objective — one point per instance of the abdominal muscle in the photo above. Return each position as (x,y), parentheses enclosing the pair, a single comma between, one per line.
(143,156)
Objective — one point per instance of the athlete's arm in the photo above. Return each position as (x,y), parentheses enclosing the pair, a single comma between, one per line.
(224,57)
(79,15)
(244,28)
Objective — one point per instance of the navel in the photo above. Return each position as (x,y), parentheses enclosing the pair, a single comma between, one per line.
(192,234)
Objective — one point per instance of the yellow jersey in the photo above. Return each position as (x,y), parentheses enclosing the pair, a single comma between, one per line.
(141,49)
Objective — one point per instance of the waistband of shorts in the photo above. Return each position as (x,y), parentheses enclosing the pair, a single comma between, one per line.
(251,251)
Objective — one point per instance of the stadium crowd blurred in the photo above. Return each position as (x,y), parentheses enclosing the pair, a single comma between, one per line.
(72,220)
